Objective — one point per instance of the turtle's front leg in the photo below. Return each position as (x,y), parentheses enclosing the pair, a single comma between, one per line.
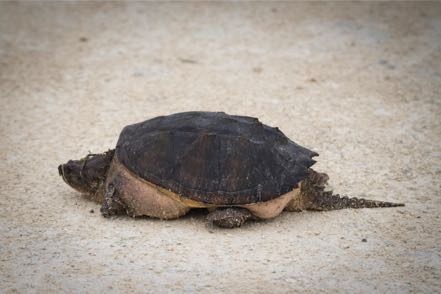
(231,217)
(112,203)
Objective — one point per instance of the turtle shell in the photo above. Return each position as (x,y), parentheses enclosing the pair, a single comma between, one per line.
(213,157)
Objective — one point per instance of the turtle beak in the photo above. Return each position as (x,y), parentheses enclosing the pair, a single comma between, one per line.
(61,171)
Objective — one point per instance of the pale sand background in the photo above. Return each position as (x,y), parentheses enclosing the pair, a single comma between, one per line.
(360,84)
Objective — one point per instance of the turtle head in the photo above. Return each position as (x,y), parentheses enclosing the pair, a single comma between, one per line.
(87,174)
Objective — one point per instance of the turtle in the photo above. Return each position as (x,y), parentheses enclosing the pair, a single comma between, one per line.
(235,167)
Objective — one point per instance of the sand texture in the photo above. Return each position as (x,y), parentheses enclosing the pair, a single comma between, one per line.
(358,83)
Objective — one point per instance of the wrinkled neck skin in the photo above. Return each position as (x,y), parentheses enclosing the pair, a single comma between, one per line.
(88,174)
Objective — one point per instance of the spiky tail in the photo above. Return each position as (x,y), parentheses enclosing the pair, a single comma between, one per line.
(315,196)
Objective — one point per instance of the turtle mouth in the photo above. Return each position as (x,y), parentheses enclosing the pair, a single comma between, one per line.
(61,172)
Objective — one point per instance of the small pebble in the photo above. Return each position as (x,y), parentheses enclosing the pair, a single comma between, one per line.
(91,211)
(257,69)
(185,60)
(364,240)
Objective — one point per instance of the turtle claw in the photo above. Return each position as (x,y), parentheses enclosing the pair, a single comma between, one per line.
(209,225)
(105,212)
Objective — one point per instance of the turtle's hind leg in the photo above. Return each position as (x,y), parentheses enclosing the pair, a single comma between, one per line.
(231,217)
(315,196)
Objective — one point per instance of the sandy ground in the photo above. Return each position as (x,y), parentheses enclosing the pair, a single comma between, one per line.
(360,84)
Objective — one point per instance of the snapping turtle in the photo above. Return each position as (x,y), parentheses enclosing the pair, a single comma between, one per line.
(235,166)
